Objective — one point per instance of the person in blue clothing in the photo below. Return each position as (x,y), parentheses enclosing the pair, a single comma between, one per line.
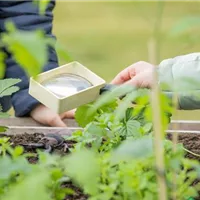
(25,15)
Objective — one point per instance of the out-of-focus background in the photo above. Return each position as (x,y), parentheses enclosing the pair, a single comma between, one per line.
(107,37)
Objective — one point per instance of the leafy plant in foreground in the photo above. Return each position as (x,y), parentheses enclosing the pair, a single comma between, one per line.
(7,88)
(126,159)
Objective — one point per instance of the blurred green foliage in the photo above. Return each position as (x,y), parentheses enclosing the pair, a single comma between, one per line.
(109,36)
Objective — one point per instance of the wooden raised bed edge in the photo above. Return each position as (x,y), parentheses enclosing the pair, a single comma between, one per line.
(28,125)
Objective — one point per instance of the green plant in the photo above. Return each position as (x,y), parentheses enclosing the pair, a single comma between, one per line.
(7,87)
(125,153)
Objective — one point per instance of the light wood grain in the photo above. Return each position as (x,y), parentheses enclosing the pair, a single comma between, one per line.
(26,121)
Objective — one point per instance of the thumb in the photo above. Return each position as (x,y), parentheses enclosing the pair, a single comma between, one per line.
(135,81)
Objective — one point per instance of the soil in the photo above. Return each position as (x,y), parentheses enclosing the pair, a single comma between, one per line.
(24,139)
(190,142)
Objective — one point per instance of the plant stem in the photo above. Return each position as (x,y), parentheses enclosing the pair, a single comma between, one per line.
(175,141)
(194,154)
(158,138)
(175,125)
(154,41)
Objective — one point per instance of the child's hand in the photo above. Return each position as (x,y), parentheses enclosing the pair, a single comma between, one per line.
(139,74)
(46,116)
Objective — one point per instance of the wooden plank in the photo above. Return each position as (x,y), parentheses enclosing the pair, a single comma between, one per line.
(183,131)
(182,124)
(15,130)
(28,125)
(185,125)
(27,121)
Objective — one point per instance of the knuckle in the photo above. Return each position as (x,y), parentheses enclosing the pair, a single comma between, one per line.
(141,63)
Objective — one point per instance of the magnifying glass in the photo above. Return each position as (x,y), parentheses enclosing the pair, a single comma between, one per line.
(67,87)
(69,84)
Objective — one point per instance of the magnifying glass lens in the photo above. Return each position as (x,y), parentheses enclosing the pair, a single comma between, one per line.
(66,84)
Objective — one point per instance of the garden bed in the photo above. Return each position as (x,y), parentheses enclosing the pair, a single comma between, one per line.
(188,134)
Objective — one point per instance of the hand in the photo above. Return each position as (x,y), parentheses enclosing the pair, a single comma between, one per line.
(139,74)
(46,116)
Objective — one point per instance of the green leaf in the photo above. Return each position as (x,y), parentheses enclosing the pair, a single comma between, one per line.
(42,4)
(147,127)
(126,103)
(129,114)
(88,175)
(60,49)
(131,128)
(2,65)
(108,97)
(94,129)
(133,149)
(18,151)
(3,129)
(82,116)
(62,52)
(4,115)
(33,187)
(7,88)
(29,48)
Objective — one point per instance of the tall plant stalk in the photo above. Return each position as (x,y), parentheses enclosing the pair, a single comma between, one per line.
(175,141)
(154,41)
(158,139)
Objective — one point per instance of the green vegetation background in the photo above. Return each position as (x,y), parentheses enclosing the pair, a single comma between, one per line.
(107,37)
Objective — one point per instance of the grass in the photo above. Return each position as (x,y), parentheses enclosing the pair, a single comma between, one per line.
(107,37)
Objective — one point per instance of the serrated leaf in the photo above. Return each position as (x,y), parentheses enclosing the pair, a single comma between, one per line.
(7,88)
(131,128)
(82,116)
(28,48)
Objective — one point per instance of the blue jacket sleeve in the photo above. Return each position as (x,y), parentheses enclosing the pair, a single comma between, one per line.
(25,15)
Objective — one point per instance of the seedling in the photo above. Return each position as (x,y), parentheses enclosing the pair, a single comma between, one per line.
(66,87)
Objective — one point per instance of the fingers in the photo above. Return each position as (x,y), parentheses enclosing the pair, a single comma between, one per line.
(124,75)
(142,80)
(131,72)
(46,116)
(69,114)
(56,121)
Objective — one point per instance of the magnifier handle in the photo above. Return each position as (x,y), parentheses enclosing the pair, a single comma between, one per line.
(107,88)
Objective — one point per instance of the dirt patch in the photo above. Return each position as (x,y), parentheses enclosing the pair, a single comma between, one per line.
(26,139)
(190,142)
